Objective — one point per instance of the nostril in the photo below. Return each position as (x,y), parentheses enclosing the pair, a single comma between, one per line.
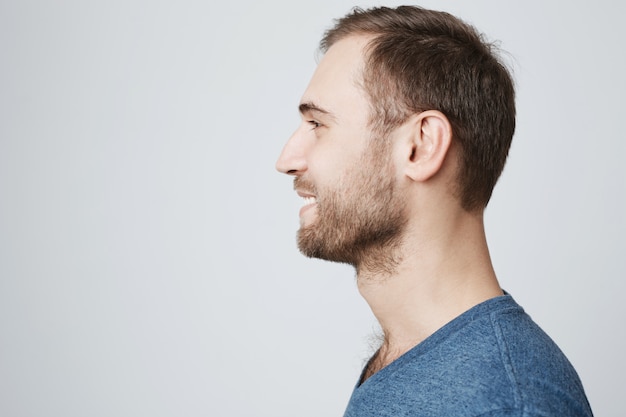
(292,171)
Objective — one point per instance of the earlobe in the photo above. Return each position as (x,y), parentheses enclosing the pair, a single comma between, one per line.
(431,135)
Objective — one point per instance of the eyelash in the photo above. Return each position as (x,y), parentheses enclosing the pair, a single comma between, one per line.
(314,123)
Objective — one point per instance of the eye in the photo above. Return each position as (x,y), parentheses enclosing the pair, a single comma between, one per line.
(314,124)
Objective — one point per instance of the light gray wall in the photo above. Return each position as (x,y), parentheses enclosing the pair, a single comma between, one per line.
(147,256)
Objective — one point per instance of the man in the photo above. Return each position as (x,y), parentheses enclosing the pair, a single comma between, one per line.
(406,125)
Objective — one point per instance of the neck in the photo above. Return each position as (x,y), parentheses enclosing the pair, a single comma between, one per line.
(437,278)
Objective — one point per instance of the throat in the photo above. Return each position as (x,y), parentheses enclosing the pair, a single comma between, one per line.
(381,359)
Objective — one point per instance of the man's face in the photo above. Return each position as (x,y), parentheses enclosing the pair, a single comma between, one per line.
(352,210)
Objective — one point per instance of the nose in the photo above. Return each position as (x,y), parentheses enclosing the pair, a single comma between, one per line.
(292,159)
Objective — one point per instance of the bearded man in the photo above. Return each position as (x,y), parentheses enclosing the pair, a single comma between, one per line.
(406,126)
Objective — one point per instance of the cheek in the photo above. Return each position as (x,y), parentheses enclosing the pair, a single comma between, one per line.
(335,156)
(327,167)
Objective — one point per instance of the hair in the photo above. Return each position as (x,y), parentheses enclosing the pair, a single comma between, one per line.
(421,59)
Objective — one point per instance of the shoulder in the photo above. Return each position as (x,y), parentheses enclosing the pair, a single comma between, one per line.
(543,379)
(491,361)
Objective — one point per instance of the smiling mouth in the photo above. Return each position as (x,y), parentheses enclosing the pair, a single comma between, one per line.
(310,203)
(306,191)
(308,196)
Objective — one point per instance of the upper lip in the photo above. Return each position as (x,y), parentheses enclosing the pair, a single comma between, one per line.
(304,193)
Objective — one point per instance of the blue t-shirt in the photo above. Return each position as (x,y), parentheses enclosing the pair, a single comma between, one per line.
(492,360)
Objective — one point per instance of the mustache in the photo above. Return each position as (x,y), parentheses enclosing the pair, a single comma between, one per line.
(301,183)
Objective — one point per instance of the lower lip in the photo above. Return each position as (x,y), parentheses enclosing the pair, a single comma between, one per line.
(306,208)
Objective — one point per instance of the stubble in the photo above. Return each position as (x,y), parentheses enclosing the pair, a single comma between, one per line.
(360,220)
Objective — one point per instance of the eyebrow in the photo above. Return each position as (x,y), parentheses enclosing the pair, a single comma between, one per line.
(308,107)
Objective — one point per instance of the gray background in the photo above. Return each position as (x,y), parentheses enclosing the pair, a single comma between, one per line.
(147,252)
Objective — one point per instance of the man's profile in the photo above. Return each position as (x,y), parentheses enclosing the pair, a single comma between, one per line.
(406,126)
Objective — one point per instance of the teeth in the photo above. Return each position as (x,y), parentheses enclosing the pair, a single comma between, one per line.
(309,200)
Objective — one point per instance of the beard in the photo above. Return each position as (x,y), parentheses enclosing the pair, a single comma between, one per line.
(360,221)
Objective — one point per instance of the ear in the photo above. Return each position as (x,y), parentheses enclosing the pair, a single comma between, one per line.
(430,138)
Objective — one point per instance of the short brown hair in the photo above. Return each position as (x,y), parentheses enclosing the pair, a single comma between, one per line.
(422,60)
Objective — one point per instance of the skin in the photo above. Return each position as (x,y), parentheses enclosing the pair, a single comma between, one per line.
(437,265)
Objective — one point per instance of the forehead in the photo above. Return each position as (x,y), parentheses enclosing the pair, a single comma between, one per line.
(336,81)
